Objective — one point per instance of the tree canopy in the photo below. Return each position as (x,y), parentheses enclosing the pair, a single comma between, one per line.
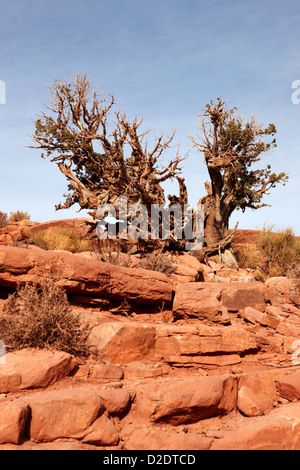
(104,158)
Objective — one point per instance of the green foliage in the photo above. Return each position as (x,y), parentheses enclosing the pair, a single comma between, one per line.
(40,317)
(281,250)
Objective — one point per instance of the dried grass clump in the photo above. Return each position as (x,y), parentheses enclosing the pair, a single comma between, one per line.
(18,216)
(40,317)
(3,219)
(157,262)
(247,258)
(281,250)
(59,239)
(114,256)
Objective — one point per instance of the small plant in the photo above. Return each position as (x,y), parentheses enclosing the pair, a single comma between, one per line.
(281,250)
(3,219)
(109,255)
(40,317)
(18,216)
(157,262)
(247,258)
(59,239)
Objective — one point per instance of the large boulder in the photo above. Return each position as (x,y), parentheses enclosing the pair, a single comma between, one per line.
(13,418)
(183,400)
(79,275)
(237,296)
(123,342)
(33,368)
(210,301)
(289,386)
(66,413)
(197,300)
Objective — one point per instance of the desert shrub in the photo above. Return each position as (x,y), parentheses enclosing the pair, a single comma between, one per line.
(157,262)
(40,317)
(59,239)
(113,256)
(247,258)
(281,250)
(18,216)
(3,219)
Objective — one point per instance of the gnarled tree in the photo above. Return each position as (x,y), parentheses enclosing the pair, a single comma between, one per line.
(101,161)
(230,147)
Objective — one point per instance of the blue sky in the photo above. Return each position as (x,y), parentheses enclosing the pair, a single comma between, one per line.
(164,61)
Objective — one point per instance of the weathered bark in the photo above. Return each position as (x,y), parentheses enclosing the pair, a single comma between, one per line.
(229,149)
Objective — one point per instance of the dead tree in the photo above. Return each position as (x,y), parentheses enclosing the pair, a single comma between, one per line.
(103,160)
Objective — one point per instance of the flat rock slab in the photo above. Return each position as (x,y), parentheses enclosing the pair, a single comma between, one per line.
(197,300)
(33,368)
(80,275)
(129,341)
(279,430)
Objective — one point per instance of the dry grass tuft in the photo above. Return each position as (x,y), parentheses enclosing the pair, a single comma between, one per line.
(157,262)
(3,219)
(281,250)
(18,216)
(59,239)
(40,317)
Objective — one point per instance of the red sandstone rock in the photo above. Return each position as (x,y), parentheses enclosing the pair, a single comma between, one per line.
(37,367)
(282,290)
(123,342)
(64,413)
(157,438)
(280,430)
(13,418)
(79,275)
(255,316)
(102,432)
(16,231)
(240,295)
(126,342)
(116,401)
(10,380)
(289,386)
(204,340)
(197,300)
(106,372)
(186,400)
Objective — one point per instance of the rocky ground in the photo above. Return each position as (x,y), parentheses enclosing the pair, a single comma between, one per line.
(205,358)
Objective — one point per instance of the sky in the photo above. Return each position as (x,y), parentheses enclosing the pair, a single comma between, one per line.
(163,60)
